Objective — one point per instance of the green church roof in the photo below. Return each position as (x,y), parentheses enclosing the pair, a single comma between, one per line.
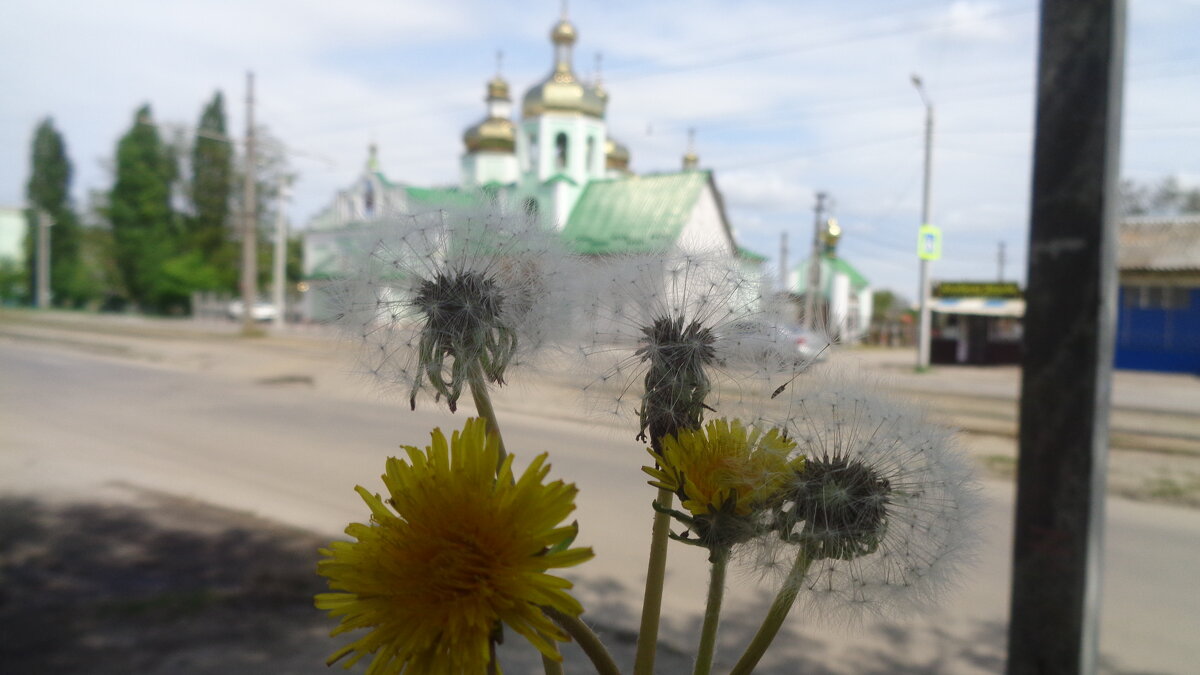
(746,254)
(449,196)
(635,214)
(830,266)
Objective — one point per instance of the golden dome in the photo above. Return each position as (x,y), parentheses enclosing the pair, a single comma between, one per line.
(561,91)
(493,134)
(497,89)
(616,155)
(563,33)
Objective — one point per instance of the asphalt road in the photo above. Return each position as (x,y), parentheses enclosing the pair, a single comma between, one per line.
(83,426)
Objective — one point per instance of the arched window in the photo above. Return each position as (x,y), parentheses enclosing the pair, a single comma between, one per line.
(533,152)
(560,151)
(591,153)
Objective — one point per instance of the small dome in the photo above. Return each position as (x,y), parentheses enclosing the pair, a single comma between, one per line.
(616,155)
(563,33)
(497,89)
(494,134)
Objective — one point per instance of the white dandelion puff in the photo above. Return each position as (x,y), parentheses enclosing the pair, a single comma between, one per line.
(670,337)
(884,511)
(440,298)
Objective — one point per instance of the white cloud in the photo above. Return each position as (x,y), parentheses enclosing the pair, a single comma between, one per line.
(786,97)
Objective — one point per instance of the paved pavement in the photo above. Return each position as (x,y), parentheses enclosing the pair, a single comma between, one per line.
(278,427)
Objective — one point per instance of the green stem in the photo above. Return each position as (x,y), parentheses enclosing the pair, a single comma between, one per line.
(775,616)
(712,612)
(483,405)
(588,641)
(551,666)
(656,573)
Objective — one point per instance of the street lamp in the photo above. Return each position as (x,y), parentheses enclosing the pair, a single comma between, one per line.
(923,291)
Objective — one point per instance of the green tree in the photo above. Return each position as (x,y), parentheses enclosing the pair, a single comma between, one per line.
(210,190)
(145,228)
(49,190)
(1165,198)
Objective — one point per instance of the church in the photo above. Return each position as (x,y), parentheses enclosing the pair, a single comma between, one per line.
(557,162)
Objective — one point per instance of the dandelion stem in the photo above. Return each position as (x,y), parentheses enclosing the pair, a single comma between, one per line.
(656,573)
(775,616)
(483,405)
(588,641)
(712,612)
(551,666)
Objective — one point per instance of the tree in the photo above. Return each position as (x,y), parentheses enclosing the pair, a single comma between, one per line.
(145,228)
(211,186)
(1166,198)
(49,190)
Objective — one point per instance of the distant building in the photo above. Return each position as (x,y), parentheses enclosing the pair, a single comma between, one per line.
(559,163)
(844,300)
(1158,317)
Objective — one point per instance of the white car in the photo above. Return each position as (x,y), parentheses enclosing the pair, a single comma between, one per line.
(262,311)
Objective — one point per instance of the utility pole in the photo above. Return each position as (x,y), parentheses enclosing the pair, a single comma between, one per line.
(1070,317)
(280,258)
(249,219)
(783,264)
(1000,264)
(43,259)
(923,290)
(813,285)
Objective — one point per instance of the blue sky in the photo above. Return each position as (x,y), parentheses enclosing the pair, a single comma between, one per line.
(787,98)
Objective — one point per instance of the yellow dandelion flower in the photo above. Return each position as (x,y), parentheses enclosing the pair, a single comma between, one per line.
(724,467)
(465,548)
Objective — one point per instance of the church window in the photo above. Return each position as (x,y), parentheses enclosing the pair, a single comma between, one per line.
(560,151)
(533,152)
(591,152)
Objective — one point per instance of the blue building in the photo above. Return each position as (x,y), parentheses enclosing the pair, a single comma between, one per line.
(1158,321)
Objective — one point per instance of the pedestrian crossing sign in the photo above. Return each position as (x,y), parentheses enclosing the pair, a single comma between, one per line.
(929,242)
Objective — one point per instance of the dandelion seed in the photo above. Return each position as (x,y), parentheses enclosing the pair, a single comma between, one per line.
(460,549)
(671,337)
(441,298)
(884,505)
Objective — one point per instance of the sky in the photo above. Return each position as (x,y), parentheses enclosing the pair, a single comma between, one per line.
(786,98)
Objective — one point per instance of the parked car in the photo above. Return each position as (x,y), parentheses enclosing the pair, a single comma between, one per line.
(262,311)
(808,346)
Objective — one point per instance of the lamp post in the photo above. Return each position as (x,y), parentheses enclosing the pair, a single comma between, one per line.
(923,290)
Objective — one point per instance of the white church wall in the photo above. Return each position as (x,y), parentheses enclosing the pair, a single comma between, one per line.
(704,230)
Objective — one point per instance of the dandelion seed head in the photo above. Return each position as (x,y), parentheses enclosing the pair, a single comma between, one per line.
(433,297)
(885,506)
(670,338)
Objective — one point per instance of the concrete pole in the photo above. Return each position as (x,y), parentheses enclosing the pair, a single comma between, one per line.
(783,265)
(923,290)
(1070,317)
(280,258)
(249,219)
(813,285)
(43,259)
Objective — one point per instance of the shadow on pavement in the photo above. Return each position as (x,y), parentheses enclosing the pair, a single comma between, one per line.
(174,586)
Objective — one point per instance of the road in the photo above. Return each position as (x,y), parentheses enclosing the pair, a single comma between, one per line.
(76,425)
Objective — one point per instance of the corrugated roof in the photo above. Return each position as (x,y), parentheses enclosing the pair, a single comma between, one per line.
(1160,244)
(440,197)
(635,214)
(752,256)
(829,267)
